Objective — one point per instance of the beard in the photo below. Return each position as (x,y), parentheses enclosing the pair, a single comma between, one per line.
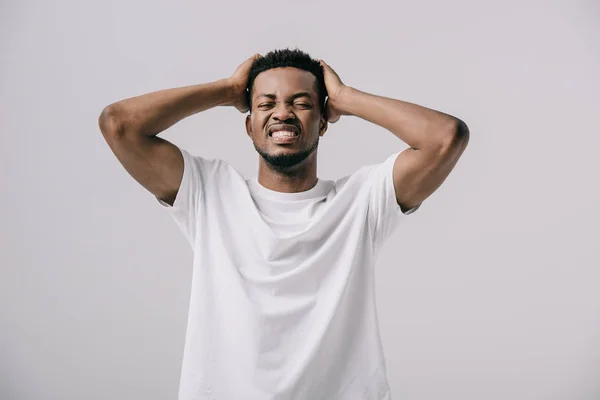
(285,163)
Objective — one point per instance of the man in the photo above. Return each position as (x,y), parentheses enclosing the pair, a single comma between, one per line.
(282,301)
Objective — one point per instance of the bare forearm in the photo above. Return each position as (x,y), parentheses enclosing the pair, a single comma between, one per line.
(152,113)
(417,126)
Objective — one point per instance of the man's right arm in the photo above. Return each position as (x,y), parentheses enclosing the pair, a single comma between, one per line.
(130,127)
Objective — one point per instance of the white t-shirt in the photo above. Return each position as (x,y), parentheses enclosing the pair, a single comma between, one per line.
(282,302)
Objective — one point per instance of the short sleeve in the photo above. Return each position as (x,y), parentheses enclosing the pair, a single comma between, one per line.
(384,212)
(187,207)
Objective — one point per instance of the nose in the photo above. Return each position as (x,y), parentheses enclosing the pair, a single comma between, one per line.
(283,112)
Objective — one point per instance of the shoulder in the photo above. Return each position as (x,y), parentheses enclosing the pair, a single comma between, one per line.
(208,166)
(369,173)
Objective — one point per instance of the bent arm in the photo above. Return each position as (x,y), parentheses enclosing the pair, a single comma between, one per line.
(152,113)
(437,140)
(130,127)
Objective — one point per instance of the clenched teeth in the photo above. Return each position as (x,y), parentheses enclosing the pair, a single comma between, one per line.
(283,134)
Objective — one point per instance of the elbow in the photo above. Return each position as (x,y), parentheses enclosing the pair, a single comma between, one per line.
(461,131)
(457,134)
(111,122)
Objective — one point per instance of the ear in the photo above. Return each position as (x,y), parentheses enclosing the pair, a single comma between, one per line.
(249,125)
(323,124)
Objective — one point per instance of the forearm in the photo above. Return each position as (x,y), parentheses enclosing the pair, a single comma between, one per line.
(417,126)
(152,113)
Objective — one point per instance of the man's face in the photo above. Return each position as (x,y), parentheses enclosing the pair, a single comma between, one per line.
(285,121)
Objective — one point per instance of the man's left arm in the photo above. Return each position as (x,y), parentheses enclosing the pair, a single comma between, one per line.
(436,140)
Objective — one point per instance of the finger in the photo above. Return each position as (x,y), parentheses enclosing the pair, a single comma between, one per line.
(252,59)
(328,70)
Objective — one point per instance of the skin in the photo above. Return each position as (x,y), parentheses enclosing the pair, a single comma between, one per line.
(286,96)
(436,140)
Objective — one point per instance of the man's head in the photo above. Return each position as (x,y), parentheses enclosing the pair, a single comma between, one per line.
(286,93)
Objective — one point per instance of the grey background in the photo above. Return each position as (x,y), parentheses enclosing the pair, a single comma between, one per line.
(489,291)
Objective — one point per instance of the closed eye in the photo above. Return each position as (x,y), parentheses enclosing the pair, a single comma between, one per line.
(266,105)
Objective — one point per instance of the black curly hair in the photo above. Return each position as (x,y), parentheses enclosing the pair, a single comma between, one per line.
(288,58)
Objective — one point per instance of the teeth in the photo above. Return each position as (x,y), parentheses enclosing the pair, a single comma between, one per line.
(283,134)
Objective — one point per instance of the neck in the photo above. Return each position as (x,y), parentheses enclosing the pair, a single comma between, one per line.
(298,178)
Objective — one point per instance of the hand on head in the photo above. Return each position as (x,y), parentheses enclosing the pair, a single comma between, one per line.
(334,86)
(239,81)
(335,89)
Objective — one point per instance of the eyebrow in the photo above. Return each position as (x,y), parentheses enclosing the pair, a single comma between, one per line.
(294,96)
